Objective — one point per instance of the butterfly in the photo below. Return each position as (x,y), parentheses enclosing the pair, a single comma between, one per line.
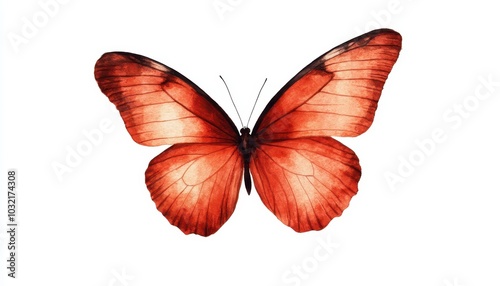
(301,174)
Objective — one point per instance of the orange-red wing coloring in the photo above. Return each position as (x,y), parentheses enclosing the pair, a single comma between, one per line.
(302,175)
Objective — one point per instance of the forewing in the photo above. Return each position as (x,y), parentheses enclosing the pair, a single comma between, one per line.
(195,186)
(159,105)
(335,95)
(305,182)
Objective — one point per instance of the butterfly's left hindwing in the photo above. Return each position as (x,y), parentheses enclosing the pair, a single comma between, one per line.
(195,186)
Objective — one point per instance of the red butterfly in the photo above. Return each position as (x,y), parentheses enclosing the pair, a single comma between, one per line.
(302,175)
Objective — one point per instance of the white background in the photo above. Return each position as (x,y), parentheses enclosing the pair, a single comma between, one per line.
(96,225)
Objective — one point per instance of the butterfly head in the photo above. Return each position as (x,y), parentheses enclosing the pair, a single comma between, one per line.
(244,130)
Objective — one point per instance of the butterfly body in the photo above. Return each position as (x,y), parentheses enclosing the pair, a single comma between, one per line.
(247,144)
(302,175)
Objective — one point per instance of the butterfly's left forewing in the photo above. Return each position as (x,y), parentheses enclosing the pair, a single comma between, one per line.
(159,105)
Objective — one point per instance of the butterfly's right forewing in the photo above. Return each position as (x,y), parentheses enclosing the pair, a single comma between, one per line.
(335,95)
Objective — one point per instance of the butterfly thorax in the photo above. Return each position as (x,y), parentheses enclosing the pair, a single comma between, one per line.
(247,145)
(247,142)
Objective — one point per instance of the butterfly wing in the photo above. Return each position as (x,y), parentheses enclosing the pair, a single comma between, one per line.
(335,95)
(306,180)
(195,182)
(159,105)
(195,186)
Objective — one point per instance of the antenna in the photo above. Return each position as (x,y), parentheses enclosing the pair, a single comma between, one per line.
(232,100)
(256,102)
